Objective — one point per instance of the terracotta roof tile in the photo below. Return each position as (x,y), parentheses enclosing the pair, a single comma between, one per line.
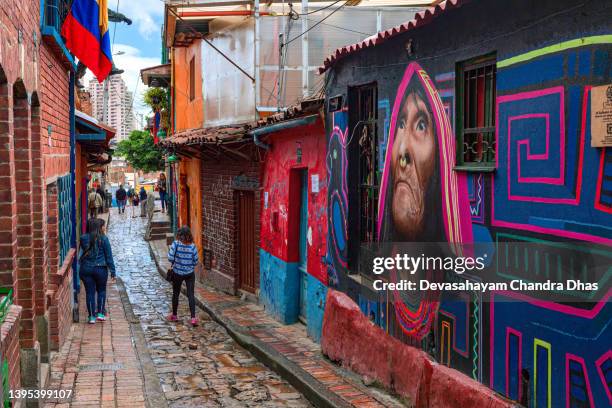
(210,135)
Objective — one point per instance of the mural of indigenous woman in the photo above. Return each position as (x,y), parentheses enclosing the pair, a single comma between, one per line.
(422,199)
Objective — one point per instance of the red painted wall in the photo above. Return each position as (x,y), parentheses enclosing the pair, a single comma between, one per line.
(277,228)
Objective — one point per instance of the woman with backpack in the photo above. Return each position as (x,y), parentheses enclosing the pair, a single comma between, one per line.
(96,261)
(183,256)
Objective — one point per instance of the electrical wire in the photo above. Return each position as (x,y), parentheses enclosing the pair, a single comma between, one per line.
(343,28)
(317,23)
(320,9)
(115,26)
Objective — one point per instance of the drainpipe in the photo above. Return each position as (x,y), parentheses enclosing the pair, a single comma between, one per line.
(229,13)
(305,62)
(73,218)
(259,143)
(276,127)
(257,50)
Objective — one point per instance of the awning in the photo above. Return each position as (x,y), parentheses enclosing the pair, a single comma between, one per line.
(157,76)
(94,138)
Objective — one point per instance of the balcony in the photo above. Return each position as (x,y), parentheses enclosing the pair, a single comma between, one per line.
(52,16)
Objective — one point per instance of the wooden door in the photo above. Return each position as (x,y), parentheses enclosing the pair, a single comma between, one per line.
(246,241)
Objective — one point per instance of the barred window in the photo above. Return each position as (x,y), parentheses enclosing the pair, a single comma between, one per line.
(365,133)
(476,139)
(64,215)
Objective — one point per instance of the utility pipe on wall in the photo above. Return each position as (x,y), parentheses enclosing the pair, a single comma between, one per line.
(257,50)
(227,13)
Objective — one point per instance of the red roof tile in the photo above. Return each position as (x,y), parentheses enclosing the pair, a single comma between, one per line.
(211,135)
(421,18)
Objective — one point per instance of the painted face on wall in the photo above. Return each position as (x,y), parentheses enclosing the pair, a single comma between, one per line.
(412,166)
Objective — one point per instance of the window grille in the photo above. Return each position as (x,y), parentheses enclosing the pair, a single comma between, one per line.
(64,215)
(476,85)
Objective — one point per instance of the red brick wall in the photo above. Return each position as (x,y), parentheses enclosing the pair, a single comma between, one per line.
(9,345)
(59,291)
(39,211)
(219,219)
(24,289)
(55,111)
(8,202)
(16,17)
(34,93)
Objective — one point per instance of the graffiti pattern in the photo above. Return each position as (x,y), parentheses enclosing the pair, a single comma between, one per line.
(549,187)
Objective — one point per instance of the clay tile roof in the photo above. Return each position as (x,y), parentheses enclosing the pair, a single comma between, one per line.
(304,108)
(210,135)
(420,19)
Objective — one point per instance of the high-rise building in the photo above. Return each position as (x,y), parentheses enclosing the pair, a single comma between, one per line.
(118,112)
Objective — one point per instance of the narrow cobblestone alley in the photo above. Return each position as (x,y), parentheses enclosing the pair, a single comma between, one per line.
(197,366)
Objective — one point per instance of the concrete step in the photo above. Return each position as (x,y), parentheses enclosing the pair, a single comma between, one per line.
(155,237)
(160,230)
(160,224)
(169,238)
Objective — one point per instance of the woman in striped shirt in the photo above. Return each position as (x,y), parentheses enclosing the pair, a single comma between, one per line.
(183,256)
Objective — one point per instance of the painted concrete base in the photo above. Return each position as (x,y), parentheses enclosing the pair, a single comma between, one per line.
(315,307)
(352,339)
(279,287)
(42,331)
(30,371)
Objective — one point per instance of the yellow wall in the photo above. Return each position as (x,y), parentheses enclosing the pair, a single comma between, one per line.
(188,114)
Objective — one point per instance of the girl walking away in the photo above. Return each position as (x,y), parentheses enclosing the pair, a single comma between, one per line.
(183,256)
(96,261)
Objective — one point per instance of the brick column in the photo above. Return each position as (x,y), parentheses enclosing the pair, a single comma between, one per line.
(23,182)
(8,207)
(38,215)
(39,234)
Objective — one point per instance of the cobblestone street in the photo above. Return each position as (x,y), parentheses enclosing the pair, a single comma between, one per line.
(199,366)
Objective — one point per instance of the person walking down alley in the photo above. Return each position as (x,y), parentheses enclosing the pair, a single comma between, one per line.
(143,202)
(135,202)
(121,196)
(103,197)
(94,203)
(96,261)
(161,189)
(183,255)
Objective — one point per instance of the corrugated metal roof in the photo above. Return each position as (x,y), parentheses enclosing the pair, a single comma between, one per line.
(422,18)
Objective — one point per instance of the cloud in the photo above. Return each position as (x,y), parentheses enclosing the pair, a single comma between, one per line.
(145,14)
(131,62)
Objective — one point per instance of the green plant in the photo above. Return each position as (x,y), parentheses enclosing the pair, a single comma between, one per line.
(157,100)
(140,152)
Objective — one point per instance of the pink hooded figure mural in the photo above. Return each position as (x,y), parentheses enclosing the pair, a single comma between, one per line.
(422,199)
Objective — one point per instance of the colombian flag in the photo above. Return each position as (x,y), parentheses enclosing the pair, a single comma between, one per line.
(86,32)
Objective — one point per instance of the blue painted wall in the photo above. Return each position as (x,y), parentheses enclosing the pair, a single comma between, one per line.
(279,287)
(315,306)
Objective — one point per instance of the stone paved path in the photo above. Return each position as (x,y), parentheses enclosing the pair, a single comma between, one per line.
(199,366)
(290,341)
(99,362)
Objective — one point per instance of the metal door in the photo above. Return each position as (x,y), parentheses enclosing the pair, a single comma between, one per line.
(303,255)
(246,240)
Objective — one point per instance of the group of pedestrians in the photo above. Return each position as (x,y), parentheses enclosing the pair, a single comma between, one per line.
(122,195)
(96,257)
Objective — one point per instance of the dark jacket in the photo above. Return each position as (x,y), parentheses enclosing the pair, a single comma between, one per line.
(121,194)
(143,194)
(99,255)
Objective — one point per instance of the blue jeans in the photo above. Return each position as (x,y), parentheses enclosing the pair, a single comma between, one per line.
(95,281)
(162,198)
(121,204)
